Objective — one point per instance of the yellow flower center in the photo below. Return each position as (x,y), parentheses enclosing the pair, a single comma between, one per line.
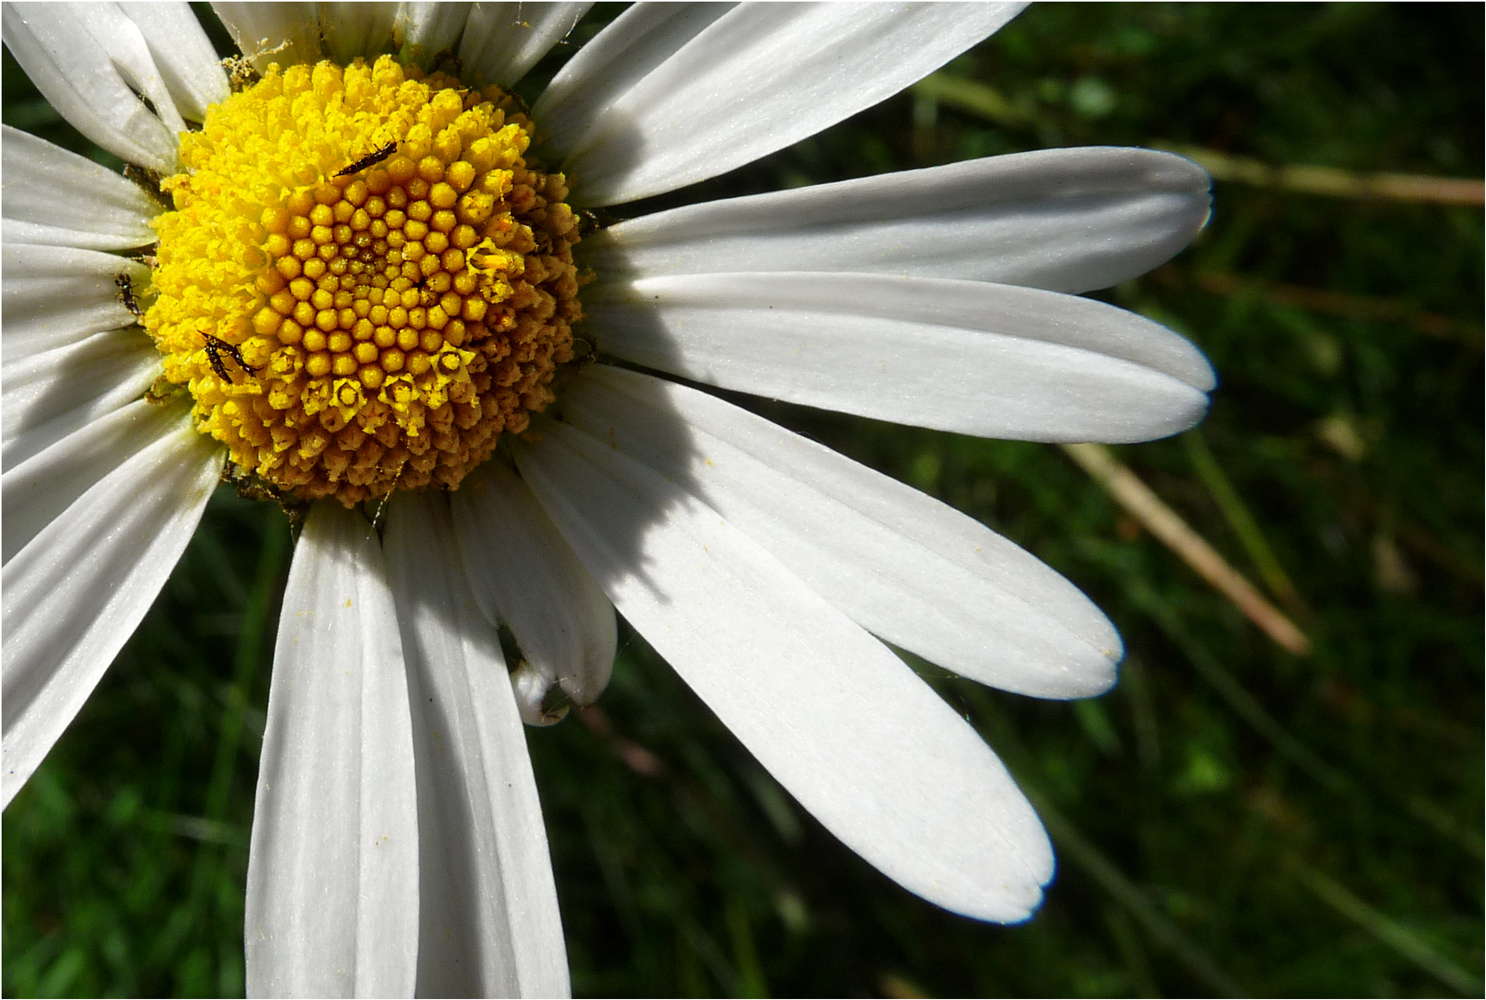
(363,282)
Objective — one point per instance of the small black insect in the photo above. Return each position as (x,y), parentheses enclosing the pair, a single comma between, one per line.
(215,348)
(369,160)
(126,294)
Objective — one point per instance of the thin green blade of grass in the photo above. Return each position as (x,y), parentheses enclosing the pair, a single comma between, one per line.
(1387,930)
(1081,850)
(1243,704)
(1241,520)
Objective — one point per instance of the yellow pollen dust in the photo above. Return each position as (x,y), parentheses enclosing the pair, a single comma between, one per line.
(363,282)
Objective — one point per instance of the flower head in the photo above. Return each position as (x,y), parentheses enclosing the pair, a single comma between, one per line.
(386,318)
(364,299)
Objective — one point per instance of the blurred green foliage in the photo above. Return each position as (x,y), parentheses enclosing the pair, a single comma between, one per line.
(1230,819)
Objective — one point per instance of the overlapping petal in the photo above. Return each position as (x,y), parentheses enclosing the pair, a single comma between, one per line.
(92,63)
(901,564)
(489,924)
(501,41)
(631,46)
(424,28)
(46,396)
(77,590)
(183,55)
(973,357)
(525,577)
(350,29)
(285,33)
(61,199)
(57,295)
(398,841)
(39,489)
(332,902)
(756,79)
(841,722)
(1069,220)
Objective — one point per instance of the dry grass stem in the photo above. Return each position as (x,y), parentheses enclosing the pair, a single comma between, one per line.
(1167,525)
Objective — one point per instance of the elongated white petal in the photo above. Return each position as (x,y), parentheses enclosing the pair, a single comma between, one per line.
(57,295)
(841,722)
(966,356)
(759,78)
(902,565)
(425,27)
(332,900)
(1070,220)
(524,576)
(49,395)
(59,198)
(488,912)
(92,63)
(502,41)
(183,54)
(284,33)
(629,47)
(39,489)
(356,29)
(76,592)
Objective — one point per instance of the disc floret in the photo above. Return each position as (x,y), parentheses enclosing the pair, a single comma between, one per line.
(364,281)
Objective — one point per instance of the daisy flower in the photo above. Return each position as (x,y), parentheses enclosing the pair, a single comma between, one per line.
(371,288)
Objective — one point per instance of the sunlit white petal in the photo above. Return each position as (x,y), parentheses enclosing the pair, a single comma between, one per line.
(39,489)
(183,55)
(59,198)
(901,564)
(285,33)
(92,63)
(841,722)
(76,592)
(615,61)
(524,576)
(57,295)
(1070,220)
(488,905)
(977,358)
(332,901)
(502,41)
(759,78)
(49,395)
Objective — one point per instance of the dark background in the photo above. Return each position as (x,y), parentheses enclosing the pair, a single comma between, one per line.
(1231,818)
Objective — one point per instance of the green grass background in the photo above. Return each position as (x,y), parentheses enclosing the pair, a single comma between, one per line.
(1230,819)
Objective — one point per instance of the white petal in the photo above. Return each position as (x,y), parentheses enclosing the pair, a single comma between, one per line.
(758,79)
(183,54)
(524,576)
(489,917)
(56,197)
(841,722)
(91,62)
(425,28)
(356,29)
(39,489)
(616,60)
(75,594)
(56,295)
(48,396)
(1070,220)
(332,899)
(283,33)
(902,565)
(965,356)
(503,40)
